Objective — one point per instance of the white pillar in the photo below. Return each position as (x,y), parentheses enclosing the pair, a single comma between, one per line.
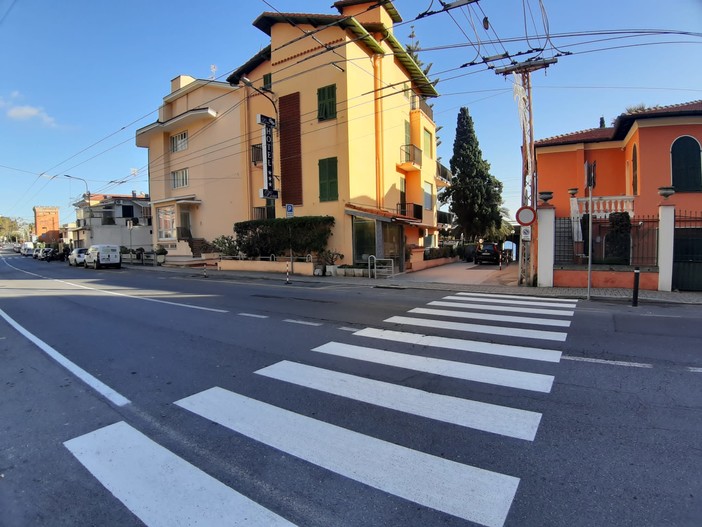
(546,245)
(666,234)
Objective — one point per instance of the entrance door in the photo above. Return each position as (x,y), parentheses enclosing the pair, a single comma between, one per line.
(687,259)
(185,223)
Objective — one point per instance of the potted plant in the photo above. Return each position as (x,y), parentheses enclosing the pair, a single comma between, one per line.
(161,253)
(329,259)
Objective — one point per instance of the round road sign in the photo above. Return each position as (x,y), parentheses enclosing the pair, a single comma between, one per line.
(526,216)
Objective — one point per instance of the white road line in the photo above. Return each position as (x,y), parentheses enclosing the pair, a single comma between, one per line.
(468,492)
(500,300)
(475,346)
(114,293)
(97,385)
(344,328)
(495,318)
(160,488)
(522,297)
(476,328)
(608,362)
(252,315)
(458,370)
(511,422)
(302,322)
(694,369)
(506,309)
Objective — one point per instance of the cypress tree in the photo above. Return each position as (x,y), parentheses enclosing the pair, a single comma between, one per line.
(475,196)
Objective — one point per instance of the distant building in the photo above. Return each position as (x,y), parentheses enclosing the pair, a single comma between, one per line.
(46,224)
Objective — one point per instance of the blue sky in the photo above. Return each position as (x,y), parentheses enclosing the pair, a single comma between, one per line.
(79,77)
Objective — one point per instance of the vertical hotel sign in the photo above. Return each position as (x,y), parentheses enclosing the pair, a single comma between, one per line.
(268,191)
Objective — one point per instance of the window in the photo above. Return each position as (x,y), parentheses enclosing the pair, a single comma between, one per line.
(428,196)
(326,102)
(328,180)
(179,141)
(634,172)
(686,160)
(406,90)
(166,223)
(267,81)
(428,143)
(408,133)
(179,178)
(363,239)
(257,153)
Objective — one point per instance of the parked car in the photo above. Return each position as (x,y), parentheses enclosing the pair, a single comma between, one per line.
(27,249)
(77,256)
(489,252)
(36,252)
(45,254)
(103,256)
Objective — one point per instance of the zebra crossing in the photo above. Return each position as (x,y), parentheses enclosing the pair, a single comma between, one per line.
(133,467)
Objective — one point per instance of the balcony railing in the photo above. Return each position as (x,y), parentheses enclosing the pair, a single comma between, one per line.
(443,174)
(410,157)
(602,206)
(257,154)
(444,218)
(413,210)
(419,103)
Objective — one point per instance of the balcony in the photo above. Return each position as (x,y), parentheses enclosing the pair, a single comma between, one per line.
(412,210)
(410,158)
(602,206)
(443,175)
(444,218)
(419,103)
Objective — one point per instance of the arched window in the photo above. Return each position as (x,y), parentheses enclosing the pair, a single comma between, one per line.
(634,172)
(686,160)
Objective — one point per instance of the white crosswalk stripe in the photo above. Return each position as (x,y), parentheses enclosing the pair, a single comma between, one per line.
(511,422)
(502,308)
(479,328)
(468,492)
(475,346)
(492,317)
(134,468)
(458,370)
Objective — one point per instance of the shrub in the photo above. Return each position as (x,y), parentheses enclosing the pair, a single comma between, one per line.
(225,245)
(304,235)
(161,250)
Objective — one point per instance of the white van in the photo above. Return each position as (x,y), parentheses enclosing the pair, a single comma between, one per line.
(103,256)
(27,249)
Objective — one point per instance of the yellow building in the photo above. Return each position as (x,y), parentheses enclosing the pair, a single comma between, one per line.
(354,138)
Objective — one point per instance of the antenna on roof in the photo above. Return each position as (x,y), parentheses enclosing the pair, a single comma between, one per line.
(213,69)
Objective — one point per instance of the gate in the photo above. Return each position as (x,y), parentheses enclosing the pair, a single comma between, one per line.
(687,252)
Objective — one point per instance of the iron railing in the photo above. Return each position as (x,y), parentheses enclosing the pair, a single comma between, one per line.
(638,246)
(413,210)
(411,154)
(419,103)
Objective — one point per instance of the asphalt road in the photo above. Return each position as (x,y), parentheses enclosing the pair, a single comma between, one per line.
(248,402)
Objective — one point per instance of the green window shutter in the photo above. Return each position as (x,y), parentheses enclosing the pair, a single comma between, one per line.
(326,102)
(267,81)
(328,179)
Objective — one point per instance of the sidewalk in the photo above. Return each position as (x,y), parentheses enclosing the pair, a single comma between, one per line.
(451,277)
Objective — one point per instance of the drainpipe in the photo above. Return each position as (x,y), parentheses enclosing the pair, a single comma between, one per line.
(378,116)
(247,157)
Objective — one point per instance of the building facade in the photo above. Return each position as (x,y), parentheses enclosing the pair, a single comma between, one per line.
(46,224)
(354,138)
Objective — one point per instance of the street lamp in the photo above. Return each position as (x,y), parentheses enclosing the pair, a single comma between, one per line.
(87,196)
(250,84)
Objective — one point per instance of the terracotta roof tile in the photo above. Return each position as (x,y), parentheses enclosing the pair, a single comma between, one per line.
(593,135)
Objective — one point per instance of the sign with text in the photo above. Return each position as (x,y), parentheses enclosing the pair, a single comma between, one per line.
(268,124)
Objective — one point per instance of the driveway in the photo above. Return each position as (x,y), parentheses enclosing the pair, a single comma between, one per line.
(465,273)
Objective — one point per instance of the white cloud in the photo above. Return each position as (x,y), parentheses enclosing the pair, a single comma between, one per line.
(25,112)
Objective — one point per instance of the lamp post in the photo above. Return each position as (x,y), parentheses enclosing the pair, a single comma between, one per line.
(250,84)
(87,196)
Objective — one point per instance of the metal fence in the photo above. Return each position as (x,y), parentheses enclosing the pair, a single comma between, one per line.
(636,244)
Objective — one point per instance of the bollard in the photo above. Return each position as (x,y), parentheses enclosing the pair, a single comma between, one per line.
(204,271)
(635,299)
(287,273)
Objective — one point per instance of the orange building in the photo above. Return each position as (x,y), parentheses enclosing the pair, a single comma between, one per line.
(46,224)
(644,158)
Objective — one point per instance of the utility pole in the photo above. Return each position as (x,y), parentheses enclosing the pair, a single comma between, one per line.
(522,92)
